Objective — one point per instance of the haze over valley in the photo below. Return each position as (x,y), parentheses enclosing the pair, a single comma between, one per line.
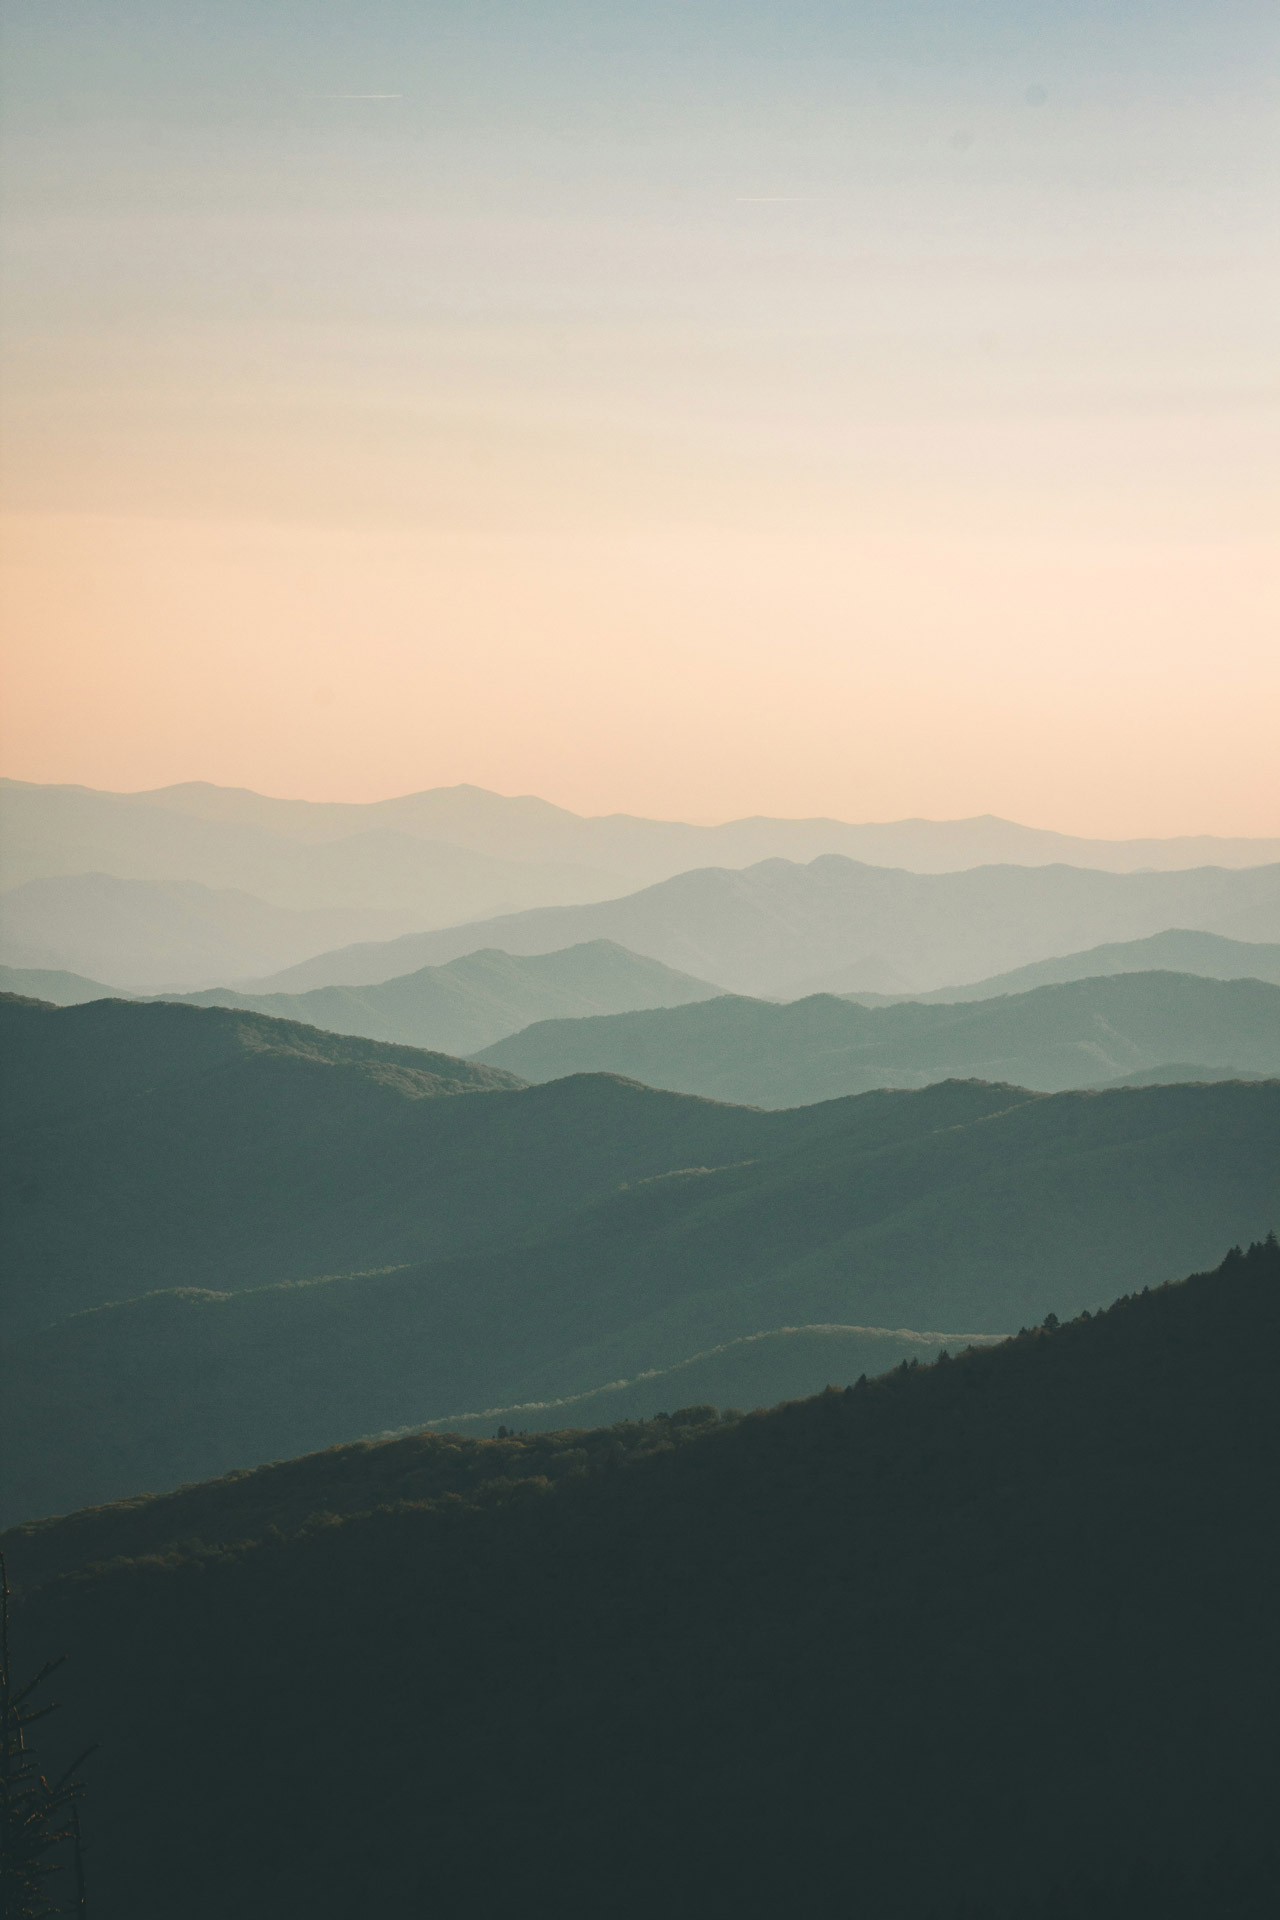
(639,961)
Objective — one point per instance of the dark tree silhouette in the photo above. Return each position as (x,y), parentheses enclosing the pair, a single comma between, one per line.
(39,1821)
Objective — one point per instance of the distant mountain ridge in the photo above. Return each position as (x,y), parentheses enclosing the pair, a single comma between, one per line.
(144,935)
(473,1001)
(54,822)
(58,988)
(193,886)
(770,928)
(1083,1033)
(1176,950)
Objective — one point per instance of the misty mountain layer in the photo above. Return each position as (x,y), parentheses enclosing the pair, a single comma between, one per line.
(1081,1034)
(376,853)
(1176,950)
(475,1000)
(774,927)
(146,935)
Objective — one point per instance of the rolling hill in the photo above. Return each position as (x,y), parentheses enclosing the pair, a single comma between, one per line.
(579,1233)
(1084,1033)
(1176,950)
(758,1370)
(769,928)
(1018,1606)
(58,989)
(475,1000)
(154,1145)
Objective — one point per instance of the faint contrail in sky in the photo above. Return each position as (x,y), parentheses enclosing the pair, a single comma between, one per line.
(359,96)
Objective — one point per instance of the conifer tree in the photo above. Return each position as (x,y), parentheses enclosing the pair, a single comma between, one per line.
(39,1821)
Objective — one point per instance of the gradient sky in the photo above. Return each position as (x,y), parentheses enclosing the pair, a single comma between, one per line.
(693,408)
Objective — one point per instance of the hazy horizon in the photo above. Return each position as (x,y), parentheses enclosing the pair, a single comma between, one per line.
(707,822)
(696,411)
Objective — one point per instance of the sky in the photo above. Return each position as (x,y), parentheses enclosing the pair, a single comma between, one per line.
(692,408)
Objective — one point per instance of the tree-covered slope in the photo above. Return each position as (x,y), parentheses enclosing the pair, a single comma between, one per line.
(962,1206)
(478,998)
(990,1638)
(1079,1034)
(157,1145)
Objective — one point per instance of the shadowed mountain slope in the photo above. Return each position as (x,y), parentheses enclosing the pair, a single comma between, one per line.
(477,999)
(758,1370)
(1081,1034)
(1019,1604)
(771,926)
(157,1145)
(962,1206)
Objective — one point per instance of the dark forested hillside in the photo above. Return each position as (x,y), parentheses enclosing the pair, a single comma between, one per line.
(962,1207)
(1079,1034)
(985,1639)
(152,1146)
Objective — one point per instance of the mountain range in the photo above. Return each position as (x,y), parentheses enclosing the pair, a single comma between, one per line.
(472,1001)
(991,1637)
(195,886)
(1176,950)
(145,935)
(228,836)
(1081,1034)
(777,928)
(471,1243)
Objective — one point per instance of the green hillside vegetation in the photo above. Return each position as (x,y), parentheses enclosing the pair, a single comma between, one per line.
(158,1145)
(759,1370)
(1176,950)
(771,928)
(475,1000)
(992,1639)
(1084,1033)
(963,1205)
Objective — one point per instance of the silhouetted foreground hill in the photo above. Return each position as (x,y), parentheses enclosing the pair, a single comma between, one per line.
(771,928)
(994,1637)
(1078,1035)
(478,998)
(962,1206)
(162,1145)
